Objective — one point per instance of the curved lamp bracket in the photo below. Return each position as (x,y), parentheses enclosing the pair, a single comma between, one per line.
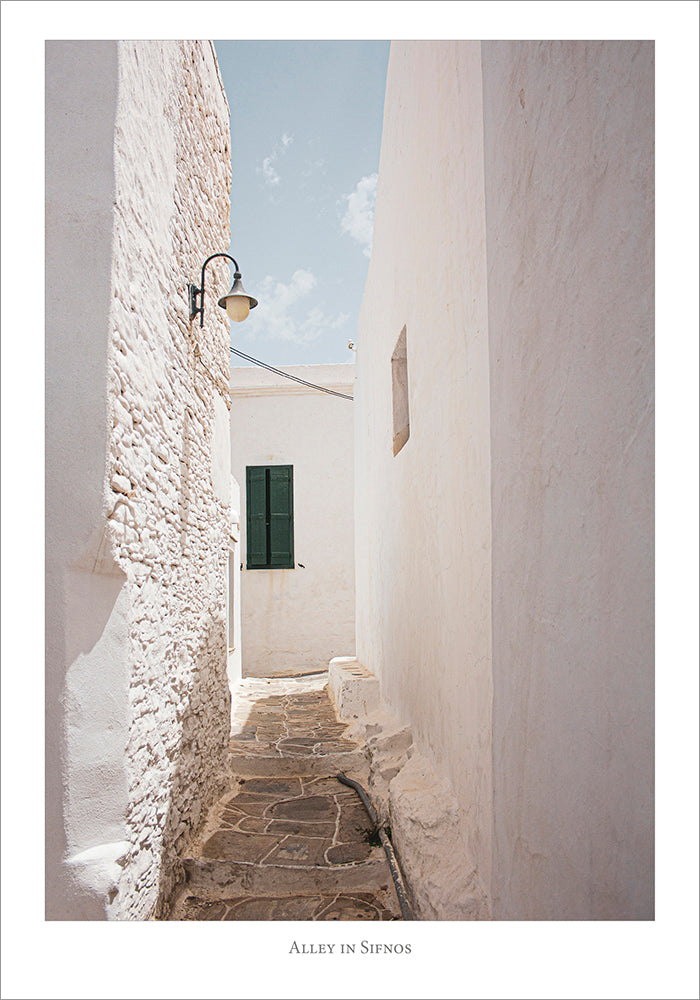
(196,294)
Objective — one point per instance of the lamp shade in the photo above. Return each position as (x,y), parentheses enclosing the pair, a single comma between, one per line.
(237,303)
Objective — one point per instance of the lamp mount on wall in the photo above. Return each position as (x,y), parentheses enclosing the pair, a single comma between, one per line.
(237,303)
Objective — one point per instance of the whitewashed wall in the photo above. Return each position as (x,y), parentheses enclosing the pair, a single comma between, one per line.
(569,138)
(424,515)
(296,620)
(504,555)
(138,485)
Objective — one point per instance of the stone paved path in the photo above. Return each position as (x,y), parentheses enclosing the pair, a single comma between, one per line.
(287,840)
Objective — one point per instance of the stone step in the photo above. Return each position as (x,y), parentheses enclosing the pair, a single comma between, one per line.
(236,890)
(344,905)
(317,765)
(210,877)
(321,906)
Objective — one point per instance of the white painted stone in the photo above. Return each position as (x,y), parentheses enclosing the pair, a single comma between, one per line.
(296,620)
(389,747)
(353,690)
(120,484)
(99,869)
(428,837)
(422,811)
(137,686)
(505,553)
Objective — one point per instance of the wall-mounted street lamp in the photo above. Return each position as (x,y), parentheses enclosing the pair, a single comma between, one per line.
(237,303)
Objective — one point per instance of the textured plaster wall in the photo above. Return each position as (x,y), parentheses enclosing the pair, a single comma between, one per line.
(424,543)
(569,133)
(80,191)
(296,620)
(505,554)
(139,518)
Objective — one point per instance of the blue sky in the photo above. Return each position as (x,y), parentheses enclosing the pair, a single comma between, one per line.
(306,125)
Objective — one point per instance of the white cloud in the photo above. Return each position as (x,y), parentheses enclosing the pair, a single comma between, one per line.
(358,221)
(269,172)
(281,315)
(270,175)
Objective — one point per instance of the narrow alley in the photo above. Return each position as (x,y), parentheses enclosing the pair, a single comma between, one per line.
(423,567)
(288,840)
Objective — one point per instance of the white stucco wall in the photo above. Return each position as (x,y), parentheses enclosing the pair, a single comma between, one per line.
(138,470)
(296,620)
(569,139)
(424,515)
(80,191)
(504,555)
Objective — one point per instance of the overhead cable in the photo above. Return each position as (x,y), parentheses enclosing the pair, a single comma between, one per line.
(294,378)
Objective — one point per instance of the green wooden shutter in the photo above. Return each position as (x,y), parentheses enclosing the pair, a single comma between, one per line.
(281,509)
(256,509)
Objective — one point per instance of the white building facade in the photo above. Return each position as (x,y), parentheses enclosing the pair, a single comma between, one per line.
(138,488)
(504,474)
(293,459)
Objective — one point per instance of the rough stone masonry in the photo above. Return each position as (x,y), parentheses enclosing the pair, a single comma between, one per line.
(144,710)
(170,506)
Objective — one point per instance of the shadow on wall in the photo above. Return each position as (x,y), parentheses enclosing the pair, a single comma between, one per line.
(193,788)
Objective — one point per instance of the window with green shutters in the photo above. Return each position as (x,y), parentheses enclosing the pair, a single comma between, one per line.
(269,517)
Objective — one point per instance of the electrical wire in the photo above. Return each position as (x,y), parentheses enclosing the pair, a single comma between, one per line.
(294,378)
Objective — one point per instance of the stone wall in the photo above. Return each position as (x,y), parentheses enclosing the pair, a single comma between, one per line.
(144,656)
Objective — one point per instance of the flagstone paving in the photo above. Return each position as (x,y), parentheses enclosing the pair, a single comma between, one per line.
(288,840)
